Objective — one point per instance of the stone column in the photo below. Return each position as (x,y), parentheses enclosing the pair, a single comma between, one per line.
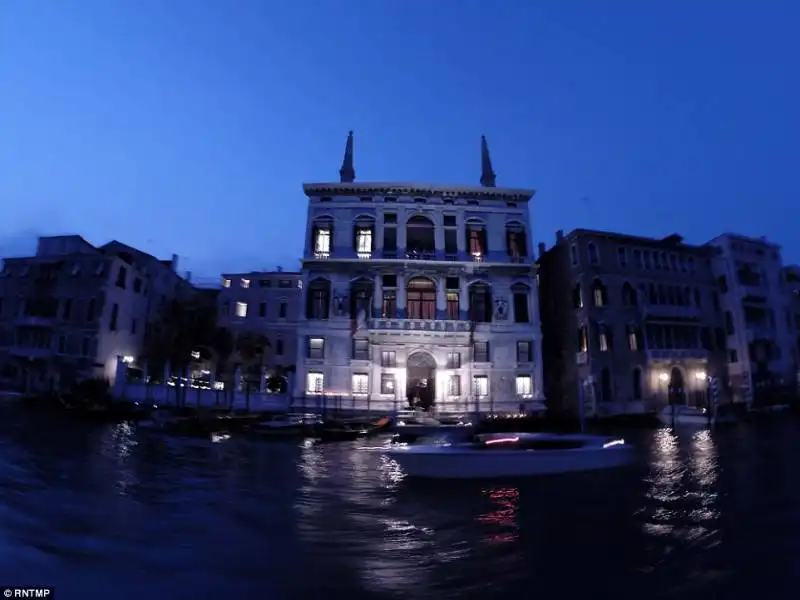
(377,296)
(441,298)
(401,296)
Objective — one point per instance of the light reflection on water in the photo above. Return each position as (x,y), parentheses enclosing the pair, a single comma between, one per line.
(93,506)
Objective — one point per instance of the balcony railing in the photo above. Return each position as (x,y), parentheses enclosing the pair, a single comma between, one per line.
(686,353)
(418,325)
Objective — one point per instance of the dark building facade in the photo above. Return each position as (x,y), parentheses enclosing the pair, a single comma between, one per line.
(629,323)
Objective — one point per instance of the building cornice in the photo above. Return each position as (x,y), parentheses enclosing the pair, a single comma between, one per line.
(418,189)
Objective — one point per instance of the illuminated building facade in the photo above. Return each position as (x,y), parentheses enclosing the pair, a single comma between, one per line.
(419,294)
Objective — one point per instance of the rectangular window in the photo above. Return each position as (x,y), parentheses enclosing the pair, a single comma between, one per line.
(450,241)
(226,283)
(389,306)
(480,386)
(315,347)
(67,309)
(622,256)
(390,239)
(360,384)
(480,352)
(524,352)
(454,385)
(282,310)
(524,386)
(454,360)
(279,347)
(133,326)
(521,314)
(387,384)
(86,346)
(245,283)
(388,358)
(262,309)
(241,309)
(361,349)
(315,383)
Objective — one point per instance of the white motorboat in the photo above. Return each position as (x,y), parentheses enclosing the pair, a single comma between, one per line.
(681,414)
(511,455)
(418,424)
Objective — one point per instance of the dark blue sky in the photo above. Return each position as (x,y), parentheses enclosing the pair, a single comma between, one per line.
(188,126)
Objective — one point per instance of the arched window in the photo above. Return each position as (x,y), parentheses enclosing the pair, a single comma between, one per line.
(360,297)
(476,238)
(628,295)
(421,298)
(480,303)
(322,236)
(318,300)
(599,294)
(364,236)
(516,240)
(594,255)
(420,239)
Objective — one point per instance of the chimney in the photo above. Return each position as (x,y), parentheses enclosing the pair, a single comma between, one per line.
(542,249)
(189,276)
(559,236)
(175,262)
(280,269)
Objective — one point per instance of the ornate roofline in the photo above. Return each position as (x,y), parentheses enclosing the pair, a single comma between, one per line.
(416,189)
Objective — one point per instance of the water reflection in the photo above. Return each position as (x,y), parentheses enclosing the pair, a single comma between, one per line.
(88,507)
(503,519)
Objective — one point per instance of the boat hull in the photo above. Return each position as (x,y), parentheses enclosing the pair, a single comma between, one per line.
(453,463)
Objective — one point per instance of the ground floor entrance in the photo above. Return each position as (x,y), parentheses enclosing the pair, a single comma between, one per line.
(421,381)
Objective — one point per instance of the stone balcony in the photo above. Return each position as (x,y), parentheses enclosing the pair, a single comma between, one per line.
(683,354)
(418,325)
(35,321)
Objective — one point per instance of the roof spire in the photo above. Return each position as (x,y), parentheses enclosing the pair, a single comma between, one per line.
(347,173)
(487,173)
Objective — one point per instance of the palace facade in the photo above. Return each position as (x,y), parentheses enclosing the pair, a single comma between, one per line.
(419,295)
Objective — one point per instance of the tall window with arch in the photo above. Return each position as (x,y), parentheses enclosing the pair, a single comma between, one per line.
(521,295)
(453,296)
(322,236)
(480,303)
(476,238)
(420,237)
(516,241)
(421,298)
(318,299)
(594,255)
(364,236)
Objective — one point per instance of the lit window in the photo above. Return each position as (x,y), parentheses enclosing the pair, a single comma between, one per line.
(603,341)
(315,383)
(387,383)
(480,386)
(241,309)
(323,241)
(633,342)
(364,241)
(226,283)
(245,283)
(524,385)
(360,383)
(454,386)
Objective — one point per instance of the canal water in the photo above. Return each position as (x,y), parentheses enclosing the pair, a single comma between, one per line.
(109,512)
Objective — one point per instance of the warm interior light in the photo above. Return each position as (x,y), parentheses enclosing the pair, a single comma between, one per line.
(700,375)
(663,377)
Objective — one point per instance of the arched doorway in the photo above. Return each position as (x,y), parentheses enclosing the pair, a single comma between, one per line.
(421,380)
(676,390)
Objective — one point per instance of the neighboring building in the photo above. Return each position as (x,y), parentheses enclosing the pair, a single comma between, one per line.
(265,303)
(629,323)
(419,293)
(791,277)
(69,311)
(759,321)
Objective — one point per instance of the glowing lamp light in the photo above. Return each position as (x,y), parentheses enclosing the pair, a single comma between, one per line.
(128,360)
(663,377)
(700,375)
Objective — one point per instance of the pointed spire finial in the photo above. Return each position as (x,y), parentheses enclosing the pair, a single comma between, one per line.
(347,174)
(487,173)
